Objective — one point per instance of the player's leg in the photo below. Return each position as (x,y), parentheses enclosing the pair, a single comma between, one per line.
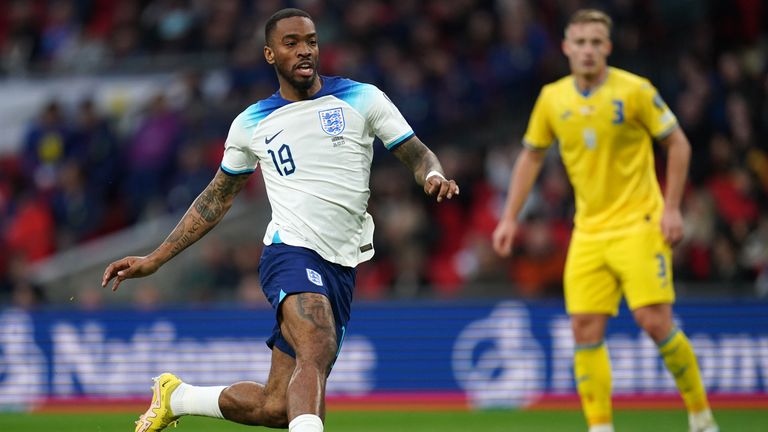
(244,402)
(312,299)
(252,403)
(680,361)
(295,389)
(309,327)
(592,369)
(592,296)
(646,269)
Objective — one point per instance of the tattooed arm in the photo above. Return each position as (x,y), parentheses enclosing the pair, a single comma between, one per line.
(422,162)
(207,210)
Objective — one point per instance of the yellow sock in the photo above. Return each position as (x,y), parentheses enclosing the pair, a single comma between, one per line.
(681,362)
(592,368)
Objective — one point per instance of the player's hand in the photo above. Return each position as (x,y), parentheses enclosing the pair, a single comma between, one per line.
(443,188)
(672,226)
(504,236)
(128,268)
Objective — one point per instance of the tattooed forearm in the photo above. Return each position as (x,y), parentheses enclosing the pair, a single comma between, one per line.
(314,309)
(209,207)
(418,158)
(207,210)
(217,198)
(186,233)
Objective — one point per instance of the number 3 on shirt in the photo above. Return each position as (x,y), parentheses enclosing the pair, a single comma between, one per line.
(662,274)
(283,159)
(618,111)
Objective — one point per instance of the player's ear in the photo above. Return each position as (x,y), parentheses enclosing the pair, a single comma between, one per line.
(269,55)
(564,42)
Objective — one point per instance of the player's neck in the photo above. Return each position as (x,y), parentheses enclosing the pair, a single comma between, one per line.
(291,93)
(588,83)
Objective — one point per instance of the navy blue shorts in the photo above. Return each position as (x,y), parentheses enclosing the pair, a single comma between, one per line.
(286,270)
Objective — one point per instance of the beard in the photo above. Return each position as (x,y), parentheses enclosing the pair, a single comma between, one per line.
(301,84)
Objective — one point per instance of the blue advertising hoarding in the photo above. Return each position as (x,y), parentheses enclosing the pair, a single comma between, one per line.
(492,354)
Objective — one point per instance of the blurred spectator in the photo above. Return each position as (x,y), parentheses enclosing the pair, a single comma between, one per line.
(150,155)
(23,292)
(522,48)
(95,147)
(220,30)
(21,38)
(170,25)
(539,262)
(60,31)
(46,144)
(734,198)
(30,230)
(693,257)
(191,176)
(124,31)
(77,210)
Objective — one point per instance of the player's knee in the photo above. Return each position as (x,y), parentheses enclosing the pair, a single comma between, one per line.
(655,325)
(587,329)
(275,413)
(657,330)
(272,411)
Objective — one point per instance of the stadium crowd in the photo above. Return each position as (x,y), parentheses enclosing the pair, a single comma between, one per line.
(464,73)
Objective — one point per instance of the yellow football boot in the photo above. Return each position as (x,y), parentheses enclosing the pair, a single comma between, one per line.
(159,415)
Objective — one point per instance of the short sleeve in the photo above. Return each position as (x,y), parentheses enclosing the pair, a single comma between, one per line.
(386,120)
(653,113)
(238,158)
(539,134)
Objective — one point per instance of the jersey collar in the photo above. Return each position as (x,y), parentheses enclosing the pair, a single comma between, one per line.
(328,87)
(594,90)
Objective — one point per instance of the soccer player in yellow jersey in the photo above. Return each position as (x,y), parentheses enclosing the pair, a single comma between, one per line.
(604,120)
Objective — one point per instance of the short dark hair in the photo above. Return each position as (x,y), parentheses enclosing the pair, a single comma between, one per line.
(282,14)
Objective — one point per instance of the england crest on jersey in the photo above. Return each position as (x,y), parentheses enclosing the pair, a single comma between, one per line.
(332,121)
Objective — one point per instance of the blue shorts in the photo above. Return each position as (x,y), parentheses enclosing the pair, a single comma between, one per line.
(286,270)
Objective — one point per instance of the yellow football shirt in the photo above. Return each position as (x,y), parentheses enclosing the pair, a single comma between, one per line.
(605,144)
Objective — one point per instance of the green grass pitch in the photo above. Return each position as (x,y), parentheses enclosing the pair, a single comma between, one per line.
(387,421)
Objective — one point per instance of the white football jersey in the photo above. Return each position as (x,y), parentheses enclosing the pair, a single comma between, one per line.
(316,159)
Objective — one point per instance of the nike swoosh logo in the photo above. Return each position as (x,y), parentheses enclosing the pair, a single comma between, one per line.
(269,140)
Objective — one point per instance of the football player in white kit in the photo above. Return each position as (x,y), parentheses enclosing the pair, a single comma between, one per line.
(314,141)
